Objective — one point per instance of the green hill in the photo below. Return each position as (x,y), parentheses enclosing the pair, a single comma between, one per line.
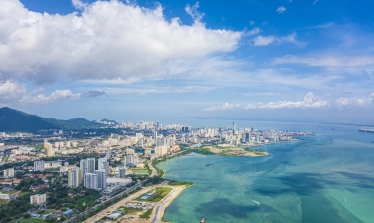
(16,121)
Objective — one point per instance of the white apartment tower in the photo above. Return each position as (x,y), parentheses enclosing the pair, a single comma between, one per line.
(101,179)
(38,198)
(87,166)
(73,177)
(39,165)
(91,181)
(9,173)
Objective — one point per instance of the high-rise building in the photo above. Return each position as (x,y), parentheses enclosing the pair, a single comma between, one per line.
(73,177)
(257,138)
(9,173)
(90,181)
(38,198)
(154,135)
(87,166)
(122,172)
(39,165)
(48,149)
(101,179)
(233,127)
(103,164)
(130,159)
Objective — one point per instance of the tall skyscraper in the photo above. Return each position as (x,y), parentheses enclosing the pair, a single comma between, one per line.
(87,166)
(90,181)
(101,179)
(103,164)
(154,135)
(233,127)
(73,177)
(39,165)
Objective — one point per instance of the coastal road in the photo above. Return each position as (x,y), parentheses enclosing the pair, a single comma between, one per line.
(160,207)
(153,169)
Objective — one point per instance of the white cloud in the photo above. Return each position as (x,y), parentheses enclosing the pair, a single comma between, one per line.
(315,1)
(310,101)
(252,32)
(251,22)
(225,106)
(263,40)
(11,91)
(281,9)
(354,101)
(346,63)
(53,97)
(108,40)
(267,40)
(194,13)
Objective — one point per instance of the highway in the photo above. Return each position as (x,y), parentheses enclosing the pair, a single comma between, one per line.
(160,207)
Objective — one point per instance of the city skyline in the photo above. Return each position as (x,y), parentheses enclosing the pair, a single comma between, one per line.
(128,60)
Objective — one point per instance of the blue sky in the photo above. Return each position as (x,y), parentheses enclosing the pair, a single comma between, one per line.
(131,60)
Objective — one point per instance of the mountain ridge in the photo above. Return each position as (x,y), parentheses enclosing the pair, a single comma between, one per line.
(12,120)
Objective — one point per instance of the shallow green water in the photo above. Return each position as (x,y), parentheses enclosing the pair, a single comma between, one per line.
(305,181)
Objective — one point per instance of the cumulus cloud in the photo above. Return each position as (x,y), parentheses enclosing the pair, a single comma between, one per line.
(281,9)
(267,40)
(355,101)
(11,91)
(53,97)
(106,40)
(310,101)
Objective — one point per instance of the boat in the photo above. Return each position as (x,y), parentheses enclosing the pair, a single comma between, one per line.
(208,164)
(202,220)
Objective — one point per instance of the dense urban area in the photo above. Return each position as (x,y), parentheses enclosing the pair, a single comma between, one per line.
(60,175)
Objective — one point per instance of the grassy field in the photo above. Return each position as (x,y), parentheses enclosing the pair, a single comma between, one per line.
(140,171)
(131,211)
(146,214)
(30,220)
(160,193)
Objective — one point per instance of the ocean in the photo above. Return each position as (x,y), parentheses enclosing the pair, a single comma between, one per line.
(328,177)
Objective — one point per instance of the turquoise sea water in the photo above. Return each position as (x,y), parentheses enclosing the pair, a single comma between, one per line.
(310,180)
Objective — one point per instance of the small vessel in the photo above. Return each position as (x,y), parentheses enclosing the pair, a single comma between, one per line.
(208,164)
(202,220)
